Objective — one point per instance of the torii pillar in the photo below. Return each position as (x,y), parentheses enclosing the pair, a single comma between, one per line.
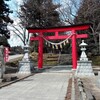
(56,30)
(40,52)
(74,50)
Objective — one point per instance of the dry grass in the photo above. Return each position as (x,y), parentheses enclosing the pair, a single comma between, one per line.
(14,62)
(48,58)
(51,59)
(96,60)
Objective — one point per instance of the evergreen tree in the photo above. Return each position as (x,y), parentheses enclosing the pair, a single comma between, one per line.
(89,12)
(39,13)
(4,20)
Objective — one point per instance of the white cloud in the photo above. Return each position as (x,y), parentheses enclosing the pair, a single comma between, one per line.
(18,2)
(14,39)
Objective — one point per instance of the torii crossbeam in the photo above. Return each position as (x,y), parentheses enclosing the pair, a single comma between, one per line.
(73,29)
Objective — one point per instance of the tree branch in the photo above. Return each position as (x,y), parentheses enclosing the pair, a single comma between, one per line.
(19,37)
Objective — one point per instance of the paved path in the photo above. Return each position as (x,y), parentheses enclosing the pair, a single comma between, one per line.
(41,86)
(15,56)
(60,69)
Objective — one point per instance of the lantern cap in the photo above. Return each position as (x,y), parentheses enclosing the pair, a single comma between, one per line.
(83,43)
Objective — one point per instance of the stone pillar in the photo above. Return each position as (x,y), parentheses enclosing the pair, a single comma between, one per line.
(2,63)
(84,67)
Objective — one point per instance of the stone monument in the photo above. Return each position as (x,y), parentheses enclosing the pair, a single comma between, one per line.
(26,65)
(2,63)
(84,66)
(98,79)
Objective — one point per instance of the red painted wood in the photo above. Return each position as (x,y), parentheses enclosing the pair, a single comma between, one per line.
(40,52)
(34,38)
(60,37)
(74,50)
(56,34)
(62,29)
(82,35)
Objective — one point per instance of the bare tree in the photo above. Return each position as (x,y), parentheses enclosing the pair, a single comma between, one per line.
(21,32)
(89,12)
(67,10)
(17,28)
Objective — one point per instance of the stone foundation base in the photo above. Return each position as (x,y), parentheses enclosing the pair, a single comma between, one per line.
(84,68)
(25,67)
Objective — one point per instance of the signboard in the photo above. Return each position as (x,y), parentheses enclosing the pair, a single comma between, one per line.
(6,54)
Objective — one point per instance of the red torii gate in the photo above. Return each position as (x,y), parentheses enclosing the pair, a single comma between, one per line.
(56,30)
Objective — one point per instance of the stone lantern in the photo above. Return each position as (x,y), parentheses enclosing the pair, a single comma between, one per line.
(26,65)
(83,56)
(84,66)
(26,53)
(26,48)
